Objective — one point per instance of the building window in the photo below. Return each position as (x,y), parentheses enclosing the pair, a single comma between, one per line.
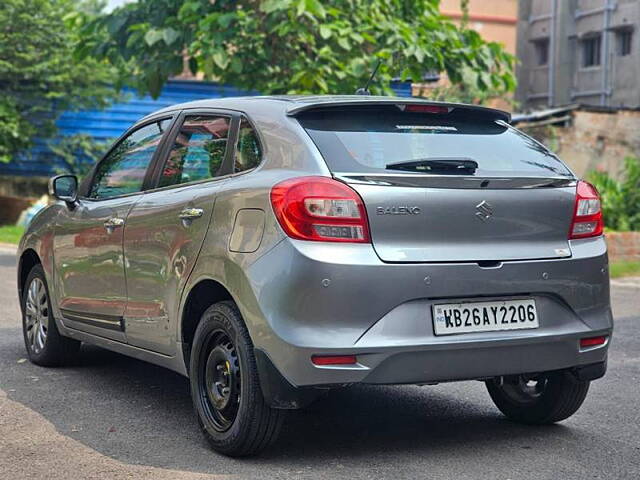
(541,47)
(623,42)
(591,48)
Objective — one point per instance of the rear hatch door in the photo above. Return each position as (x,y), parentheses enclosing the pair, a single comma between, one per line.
(448,184)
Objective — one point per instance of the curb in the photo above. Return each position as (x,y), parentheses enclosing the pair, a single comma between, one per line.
(629,282)
(8,247)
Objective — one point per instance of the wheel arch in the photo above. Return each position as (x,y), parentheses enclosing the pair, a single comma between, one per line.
(201,296)
(28,260)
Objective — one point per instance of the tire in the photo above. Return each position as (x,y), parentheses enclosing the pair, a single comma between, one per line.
(238,423)
(538,400)
(45,346)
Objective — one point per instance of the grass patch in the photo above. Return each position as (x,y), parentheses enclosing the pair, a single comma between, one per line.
(624,269)
(11,234)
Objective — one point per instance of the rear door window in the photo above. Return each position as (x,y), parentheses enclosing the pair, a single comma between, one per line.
(372,139)
(198,151)
(248,152)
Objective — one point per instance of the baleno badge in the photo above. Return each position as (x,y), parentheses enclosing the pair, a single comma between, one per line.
(398,210)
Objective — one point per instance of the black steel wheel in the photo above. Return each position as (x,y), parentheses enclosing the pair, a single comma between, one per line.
(538,399)
(225,386)
(221,380)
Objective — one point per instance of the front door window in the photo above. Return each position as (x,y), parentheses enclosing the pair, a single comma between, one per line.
(123,170)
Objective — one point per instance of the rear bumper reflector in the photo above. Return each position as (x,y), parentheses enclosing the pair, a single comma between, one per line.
(592,341)
(334,360)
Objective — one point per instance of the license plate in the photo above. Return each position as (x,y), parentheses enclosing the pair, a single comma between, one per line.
(451,318)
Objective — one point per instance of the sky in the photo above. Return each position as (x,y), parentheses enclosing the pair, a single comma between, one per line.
(111,4)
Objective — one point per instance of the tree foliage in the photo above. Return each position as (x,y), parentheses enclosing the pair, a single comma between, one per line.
(78,153)
(292,46)
(620,198)
(38,75)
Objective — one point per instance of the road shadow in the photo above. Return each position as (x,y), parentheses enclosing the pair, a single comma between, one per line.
(142,414)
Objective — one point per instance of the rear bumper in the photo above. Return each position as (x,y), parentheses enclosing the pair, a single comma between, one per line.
(314,299)
(495,358)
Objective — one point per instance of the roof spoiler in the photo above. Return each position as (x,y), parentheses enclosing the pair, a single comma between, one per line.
(300,107)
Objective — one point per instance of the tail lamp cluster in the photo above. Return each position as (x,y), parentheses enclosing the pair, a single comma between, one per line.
(320,209)
(587,214)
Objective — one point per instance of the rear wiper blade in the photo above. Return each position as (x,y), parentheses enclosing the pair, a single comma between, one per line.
(440,165)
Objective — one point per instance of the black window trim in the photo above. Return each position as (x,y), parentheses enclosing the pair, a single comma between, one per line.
(227,164)
(85,186)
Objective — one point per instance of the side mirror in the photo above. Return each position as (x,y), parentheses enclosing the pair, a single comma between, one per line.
(64,187)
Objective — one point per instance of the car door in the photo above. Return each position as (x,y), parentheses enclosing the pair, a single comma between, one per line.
(88,246)
(166,228)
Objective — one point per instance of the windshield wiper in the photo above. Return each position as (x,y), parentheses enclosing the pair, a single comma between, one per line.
(438,165)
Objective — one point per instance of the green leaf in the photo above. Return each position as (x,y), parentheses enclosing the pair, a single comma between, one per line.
(152,37)
(270,6)
(302,7)
(315,7)
(154,83)
(344,43)
(193,66)
(357,37)
(236,65)
(221,59)
(225,20)
(188,8)
(322,84)
(169,35)
(115,23)
(325,31)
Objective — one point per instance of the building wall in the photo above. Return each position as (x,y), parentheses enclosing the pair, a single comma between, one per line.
(594,140)
(625,71)
(566,26)
(495,20)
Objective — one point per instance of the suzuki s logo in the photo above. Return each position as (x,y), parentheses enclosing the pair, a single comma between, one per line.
(484,211)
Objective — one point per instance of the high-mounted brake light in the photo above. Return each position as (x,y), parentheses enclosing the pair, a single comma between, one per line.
(320,209)
(413,108)
(587,214)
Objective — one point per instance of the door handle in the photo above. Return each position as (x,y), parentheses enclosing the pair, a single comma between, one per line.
(113,222)
(191,213)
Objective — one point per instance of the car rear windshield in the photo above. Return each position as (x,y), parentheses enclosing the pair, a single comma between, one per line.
(372,139)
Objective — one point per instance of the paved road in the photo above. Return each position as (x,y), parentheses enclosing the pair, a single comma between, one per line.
(113,417)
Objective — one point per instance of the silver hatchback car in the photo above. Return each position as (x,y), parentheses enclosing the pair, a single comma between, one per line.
(272,248)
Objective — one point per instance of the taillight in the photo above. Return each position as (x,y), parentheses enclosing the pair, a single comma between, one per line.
(320,209)
(587,214)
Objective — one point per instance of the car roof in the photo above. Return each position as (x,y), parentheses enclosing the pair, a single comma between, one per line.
(294,104)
